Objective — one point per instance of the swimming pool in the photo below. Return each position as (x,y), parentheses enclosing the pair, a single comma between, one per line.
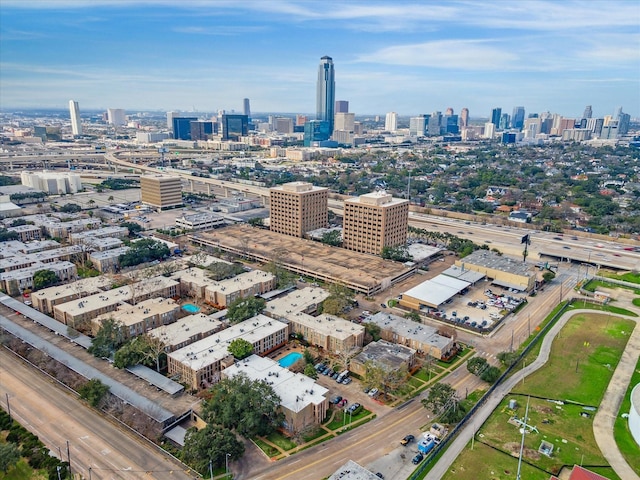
(290,359)
(191,308)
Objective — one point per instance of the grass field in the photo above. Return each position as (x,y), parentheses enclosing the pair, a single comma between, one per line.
(592,285)
(631,277)
(593,343)
(627,445)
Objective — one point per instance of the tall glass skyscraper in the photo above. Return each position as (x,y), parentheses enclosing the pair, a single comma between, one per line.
(326,91)
(76,124)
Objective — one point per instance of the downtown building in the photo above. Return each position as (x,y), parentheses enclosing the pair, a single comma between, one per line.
(374,221)
(298,207)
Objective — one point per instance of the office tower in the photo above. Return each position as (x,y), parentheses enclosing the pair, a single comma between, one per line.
(450,124)
(594,125)
(464,118)
(496,113)
(434,124)
(76,124)
(489,130)
(417,126)
(588,112)
(297,208)
(517,119)
(246,108)
(326,92)
(344,121)
(316,131)
(161,191)
(301,120)
(201,130)
(623,123)
(504,121)
(283,125)
(358,129)
(182,127)
(449,112)
(374,221)
(232,127)
(170,117)
(116,117)
(391,122)
(342,106)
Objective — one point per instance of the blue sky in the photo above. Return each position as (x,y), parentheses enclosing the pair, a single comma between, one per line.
(408,57)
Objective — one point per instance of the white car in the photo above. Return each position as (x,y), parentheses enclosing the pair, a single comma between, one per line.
(373,392)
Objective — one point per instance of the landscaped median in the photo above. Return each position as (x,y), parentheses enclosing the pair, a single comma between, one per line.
(567,388)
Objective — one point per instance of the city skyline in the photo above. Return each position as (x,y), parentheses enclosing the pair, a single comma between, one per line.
(406,57)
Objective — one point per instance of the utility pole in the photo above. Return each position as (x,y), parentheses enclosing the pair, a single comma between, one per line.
(8,406)
(524,431)
(210,468)
(69,459)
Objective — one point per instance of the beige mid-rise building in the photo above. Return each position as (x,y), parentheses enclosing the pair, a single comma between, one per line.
(161,191)
(298,207)
(374,221)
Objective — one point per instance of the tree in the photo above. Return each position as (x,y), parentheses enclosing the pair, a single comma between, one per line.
(212,443)
(477,365)
(399,254)
(108,339)
(310,371)
(142,251)
(133,227)
(243,308)
(251,407)
(372,331)
(256,222)
(240,348)
(9,455)
(340,297)
(332,237)
(110,199)
(508,358)
(71,208)
(440,396)
(414,316)
(6,235)
(44,278)
(93,391)
(490,374)
(548,276)
(384,378)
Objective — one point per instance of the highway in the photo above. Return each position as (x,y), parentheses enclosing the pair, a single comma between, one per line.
(57,416)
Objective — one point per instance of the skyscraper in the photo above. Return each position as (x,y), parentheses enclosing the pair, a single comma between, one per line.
(232,127)
(391,122)
(116,116)
(326,91)
(517,119)
(246,108)
(342,106)
(464,118)
(496,113)
(76,125)
(298,207)
(588,111)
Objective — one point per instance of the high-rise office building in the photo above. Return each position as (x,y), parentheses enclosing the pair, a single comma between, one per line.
(449,112)
(588,112)
(489,130)
(464,118)
(202,130)
(417,126)
(316,131)
(344,121)
(326,92)
(374,221)
(161,191)
(170,117)
(517,119)
(232,127)
(505,120)
(116,117)
(182,127)
(297,208)
(246,108)
(283,125)
(434,124)
(496,113)
(391,122)
(76,124)
(342,106)
(301,120)
(450,123)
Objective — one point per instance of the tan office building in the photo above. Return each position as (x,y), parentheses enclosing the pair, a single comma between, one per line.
(298,207)
(161,191)
(374,221)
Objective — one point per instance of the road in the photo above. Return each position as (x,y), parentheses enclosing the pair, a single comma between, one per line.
(56,416)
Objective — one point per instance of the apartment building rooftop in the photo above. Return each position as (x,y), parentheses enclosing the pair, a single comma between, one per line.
(214,348)
(296,301)
(412,330)
(327,325)
(186,328)
(240,282)
(296,390)
(80,287)
(129,315)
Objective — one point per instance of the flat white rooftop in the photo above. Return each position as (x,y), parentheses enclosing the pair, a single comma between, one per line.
(438,290)
(296,301)
(186,328)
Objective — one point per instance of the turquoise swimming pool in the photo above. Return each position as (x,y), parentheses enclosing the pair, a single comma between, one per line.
(191,308)
(290,359)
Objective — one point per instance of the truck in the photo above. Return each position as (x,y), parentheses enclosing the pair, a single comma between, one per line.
(426,445)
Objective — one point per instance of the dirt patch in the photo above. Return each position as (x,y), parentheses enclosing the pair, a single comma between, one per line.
(514,450)
(543,409)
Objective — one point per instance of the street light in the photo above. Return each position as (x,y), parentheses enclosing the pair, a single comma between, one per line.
(226,465)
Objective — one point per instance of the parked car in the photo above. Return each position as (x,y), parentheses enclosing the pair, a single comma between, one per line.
(335,400)
(366,390)
(379,475)
(383,305)
(417,459)
(346,381)
(354,408)
(407,440)
(373,392)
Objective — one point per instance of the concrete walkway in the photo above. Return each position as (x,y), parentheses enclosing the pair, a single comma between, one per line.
(464,437)
(610,405)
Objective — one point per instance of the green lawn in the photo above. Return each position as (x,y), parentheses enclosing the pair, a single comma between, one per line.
(268,450)
(592,286)
(281,441)
(22,471)
(583,358)
(631,277)
(603,308)
(628,446)
(593,342)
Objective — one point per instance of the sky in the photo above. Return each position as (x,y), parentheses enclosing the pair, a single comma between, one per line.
(407,57)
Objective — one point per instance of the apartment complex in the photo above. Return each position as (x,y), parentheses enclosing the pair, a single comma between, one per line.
(161,191)
(302,401)
(188,330)
(47,298)
(374,221)
(141,318)
(387,355)
(199,365)
(298,207)
(247,284)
